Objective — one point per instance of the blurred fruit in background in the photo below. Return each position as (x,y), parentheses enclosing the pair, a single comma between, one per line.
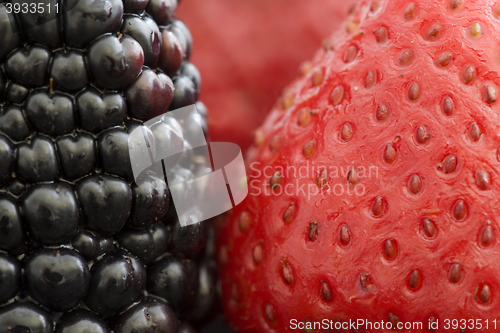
(248,50)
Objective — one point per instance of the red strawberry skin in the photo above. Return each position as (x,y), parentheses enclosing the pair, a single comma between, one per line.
(408,99)
(247,51)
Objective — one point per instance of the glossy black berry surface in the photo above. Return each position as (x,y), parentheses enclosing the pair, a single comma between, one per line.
(117,280)
(36,160)
(91,245)
(106,202)
(68,71)
(89,19)
(19,65)
(149,95)
(10,277)
(51,113)
(57,278)
(41,27)
(135,6)
(150,203)
(184,93)
(171,52)
(51,212)
(25,317)
(176,280)
(83,247)
(146,32)
(16,93)
(7,155)
(98,111)
(12,121)
(150,315)
(114,61)
(148,244)
(76,155)
(81,321)
(12,229)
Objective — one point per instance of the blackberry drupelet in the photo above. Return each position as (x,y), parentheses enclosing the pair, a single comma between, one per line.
(82,247)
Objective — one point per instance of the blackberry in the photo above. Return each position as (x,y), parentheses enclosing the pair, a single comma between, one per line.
(83,248)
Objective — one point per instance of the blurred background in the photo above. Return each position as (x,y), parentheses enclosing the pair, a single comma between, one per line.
(248,50)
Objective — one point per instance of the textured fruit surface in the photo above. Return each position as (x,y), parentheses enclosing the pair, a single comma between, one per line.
(374,187)
(246,67)
(82,246)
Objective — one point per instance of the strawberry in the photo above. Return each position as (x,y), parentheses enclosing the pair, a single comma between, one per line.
(374,182)
(247,51)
